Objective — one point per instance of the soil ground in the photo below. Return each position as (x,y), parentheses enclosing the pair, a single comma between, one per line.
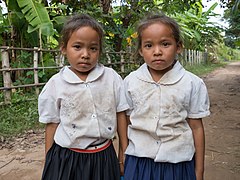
(22,158)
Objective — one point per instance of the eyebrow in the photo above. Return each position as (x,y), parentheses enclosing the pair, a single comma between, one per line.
(91,43)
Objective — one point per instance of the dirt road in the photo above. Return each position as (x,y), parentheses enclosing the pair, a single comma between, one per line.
(22,159)
(222,128)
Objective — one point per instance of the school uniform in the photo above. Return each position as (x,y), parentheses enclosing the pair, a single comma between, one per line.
(86,113)
(160,140)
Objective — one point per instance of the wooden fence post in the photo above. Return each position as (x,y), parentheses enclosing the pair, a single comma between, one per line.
(194,57)
(35,66)
(122,61)
(6,76)
(189,57)
(200,57)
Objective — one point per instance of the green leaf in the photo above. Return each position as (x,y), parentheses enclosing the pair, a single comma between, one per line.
(37,16)
(59,19)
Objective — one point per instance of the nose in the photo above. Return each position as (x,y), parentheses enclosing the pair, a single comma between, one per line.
(85,53)
(157,50)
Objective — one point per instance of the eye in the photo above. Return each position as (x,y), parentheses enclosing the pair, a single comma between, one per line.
(94,49)
(77,47)
(148,45)
(165,44)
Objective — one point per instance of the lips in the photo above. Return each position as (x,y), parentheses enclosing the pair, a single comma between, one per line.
(158,60)
(84,63)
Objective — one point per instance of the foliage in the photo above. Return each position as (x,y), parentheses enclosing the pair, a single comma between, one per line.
(232,36)
(225,53)
(118,20)
(232,15)
(37,17)
(197,30)
(19,116)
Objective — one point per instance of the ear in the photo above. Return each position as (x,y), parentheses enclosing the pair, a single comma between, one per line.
(179,48)
(63,50)
(140,52)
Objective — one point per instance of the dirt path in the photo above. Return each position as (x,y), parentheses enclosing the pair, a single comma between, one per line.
(223,126)
(22,159)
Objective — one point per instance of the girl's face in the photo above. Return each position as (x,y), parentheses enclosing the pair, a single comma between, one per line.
(82,50)
(158,48)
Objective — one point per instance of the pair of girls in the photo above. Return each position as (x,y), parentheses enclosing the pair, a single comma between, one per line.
(85,103)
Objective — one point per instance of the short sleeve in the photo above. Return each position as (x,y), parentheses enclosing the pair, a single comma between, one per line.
(48,106)
(122,104)
(199,103)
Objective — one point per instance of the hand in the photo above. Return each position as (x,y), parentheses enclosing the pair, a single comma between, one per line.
(199,175)
(121,168)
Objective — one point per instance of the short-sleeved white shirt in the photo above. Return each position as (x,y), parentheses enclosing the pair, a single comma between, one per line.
(85,110)
(158,113)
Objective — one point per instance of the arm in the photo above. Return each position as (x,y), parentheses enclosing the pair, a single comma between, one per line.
(199,142)
(122,135)
(49,135)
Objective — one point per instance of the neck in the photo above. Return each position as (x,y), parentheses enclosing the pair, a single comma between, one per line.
(158,74)
(82,75)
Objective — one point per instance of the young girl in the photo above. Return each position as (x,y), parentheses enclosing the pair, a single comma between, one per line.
(167,104)
(81,106)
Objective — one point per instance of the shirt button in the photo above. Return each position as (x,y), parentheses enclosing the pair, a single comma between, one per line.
(94,116)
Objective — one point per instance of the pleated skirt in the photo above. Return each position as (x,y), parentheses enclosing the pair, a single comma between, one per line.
(141,168)
(65,164)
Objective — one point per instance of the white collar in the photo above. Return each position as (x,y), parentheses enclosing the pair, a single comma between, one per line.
(170,77)
(69,76)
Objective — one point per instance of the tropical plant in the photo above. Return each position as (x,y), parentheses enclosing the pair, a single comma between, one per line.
(197,30)
(42,22)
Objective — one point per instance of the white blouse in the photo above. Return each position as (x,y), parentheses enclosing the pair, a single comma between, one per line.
(85,110)
(158,113)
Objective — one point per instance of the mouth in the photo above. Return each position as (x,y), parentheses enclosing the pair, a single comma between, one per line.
(83,63)
(158,60)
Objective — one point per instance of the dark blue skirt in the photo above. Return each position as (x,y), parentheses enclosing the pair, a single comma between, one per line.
(65,164)
(141,168)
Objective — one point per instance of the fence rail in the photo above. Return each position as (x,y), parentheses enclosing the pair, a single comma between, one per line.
(122,62)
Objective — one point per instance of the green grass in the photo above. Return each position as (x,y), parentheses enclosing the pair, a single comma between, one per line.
(203,69)
(19,116)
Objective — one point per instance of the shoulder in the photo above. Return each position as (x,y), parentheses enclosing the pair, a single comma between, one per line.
(132,76)
(193,78)
(55,79)
(111,73)
(197,84)
(52,84)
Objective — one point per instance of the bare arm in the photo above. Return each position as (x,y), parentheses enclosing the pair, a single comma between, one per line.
(199,141)
(123,140)
(49,135)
